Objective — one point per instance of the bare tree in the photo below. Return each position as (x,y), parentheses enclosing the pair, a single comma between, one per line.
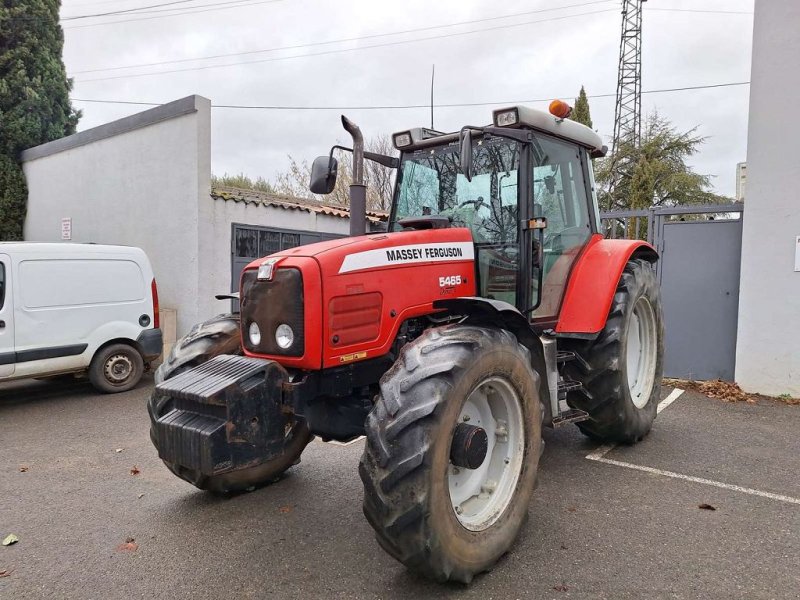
(378,179)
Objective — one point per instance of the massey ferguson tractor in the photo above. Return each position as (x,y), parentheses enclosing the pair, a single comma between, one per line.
(491,307)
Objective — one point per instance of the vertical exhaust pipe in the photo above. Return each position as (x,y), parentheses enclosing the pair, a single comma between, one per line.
(358,191)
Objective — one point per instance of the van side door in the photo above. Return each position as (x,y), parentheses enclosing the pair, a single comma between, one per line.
(7,354)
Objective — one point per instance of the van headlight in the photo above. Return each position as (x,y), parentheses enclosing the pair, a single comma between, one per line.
(255,334)
(284,336)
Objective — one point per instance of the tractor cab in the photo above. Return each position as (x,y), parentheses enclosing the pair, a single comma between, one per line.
(523,186)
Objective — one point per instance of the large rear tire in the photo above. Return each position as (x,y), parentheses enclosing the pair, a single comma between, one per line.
(217,336)
(443,521)
(621,369)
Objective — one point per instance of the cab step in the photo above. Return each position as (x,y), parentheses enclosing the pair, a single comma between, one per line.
(565,356)
(567,385)
(566,414)
(573,415)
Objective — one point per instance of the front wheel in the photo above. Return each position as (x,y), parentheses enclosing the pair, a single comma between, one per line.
(220,335)
(621,370)
(452,451)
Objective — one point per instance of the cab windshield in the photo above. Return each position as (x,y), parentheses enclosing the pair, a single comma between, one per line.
(430,182)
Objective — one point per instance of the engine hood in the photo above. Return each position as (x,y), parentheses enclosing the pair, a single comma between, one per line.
(365,252)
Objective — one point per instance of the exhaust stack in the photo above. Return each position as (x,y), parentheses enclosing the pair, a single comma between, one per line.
(358,191)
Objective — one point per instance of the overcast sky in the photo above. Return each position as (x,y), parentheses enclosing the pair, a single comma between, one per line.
(527,57)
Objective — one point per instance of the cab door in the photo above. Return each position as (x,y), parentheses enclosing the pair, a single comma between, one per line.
(7,354)
(561,194)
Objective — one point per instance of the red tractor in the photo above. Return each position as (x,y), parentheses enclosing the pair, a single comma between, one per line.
(491,307)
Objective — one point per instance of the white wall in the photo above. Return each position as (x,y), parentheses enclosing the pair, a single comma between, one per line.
(145,181)
(768,345)
(135,181)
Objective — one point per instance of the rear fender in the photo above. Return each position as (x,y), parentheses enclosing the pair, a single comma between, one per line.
(495,313)
(594,280)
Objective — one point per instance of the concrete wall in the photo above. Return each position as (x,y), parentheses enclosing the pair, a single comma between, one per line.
(768,345)
(134,181)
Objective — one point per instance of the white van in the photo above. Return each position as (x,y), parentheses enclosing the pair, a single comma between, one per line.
(71,308)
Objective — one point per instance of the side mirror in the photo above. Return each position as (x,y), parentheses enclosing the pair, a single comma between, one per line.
(323,175)
(466,153)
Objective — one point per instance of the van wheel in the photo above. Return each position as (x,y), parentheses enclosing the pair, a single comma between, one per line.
(116,368)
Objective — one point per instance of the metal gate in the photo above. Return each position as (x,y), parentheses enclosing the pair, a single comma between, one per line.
(249,242)
(700,256)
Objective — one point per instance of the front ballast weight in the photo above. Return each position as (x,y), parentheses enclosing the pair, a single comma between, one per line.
(222,416)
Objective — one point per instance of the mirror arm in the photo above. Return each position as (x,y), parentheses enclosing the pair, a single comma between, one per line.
(382,159)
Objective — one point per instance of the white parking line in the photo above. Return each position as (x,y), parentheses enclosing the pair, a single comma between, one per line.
(599,454)
(719,484)
(606,448)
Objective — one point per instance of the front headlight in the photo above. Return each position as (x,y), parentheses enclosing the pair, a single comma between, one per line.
(255,334)
(284,336)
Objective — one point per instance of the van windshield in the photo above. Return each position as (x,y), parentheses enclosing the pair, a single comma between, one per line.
(430,182)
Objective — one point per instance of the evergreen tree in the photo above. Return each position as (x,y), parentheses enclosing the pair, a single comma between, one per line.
(580,111)
(656,172)
(34,97)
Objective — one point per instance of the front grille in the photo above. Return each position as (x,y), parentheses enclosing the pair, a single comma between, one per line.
(272,303)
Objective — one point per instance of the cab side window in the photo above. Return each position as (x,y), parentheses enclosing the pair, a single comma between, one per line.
(559,195)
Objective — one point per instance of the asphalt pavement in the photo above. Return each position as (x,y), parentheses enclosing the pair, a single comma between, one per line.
(79,478)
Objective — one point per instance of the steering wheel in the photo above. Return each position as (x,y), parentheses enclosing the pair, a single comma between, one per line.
(477,203)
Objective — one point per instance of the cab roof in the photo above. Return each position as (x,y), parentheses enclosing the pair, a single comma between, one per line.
(516,117)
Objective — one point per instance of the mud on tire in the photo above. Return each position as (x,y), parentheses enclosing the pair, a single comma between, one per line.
(621,411)
(405,464)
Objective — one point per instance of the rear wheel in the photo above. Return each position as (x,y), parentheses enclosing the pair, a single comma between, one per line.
(116,368)
(452,451)
(217,336)
(621,369)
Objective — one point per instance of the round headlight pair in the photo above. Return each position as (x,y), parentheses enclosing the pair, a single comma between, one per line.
(284,336)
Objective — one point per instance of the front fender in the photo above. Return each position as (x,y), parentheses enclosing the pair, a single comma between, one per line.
(594,280)
(496,313)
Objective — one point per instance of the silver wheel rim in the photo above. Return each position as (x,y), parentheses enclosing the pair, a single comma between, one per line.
(118,369)
(641,352)
(480,496)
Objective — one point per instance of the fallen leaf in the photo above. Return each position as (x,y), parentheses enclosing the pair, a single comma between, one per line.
(23,469)
(6,572)
(572,509)
(561,588)
(10,539)
(285,509)
(128,547)
(141,496)
(707,507)
(563,547)
(118,450)
(135,470)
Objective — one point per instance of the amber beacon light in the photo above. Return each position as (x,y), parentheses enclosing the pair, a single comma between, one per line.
(560,109)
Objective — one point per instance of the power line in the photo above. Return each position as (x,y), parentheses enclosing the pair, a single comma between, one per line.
(341,40)
(342,50)
(190,9)
(126,10)
(692,10)
(180,13)
(411,106)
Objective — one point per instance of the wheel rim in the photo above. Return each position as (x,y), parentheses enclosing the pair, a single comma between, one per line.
(480,496)
(118,369)
(641,352)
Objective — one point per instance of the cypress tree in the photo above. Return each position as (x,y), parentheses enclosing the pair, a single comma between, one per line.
(34,97)
(580,112)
